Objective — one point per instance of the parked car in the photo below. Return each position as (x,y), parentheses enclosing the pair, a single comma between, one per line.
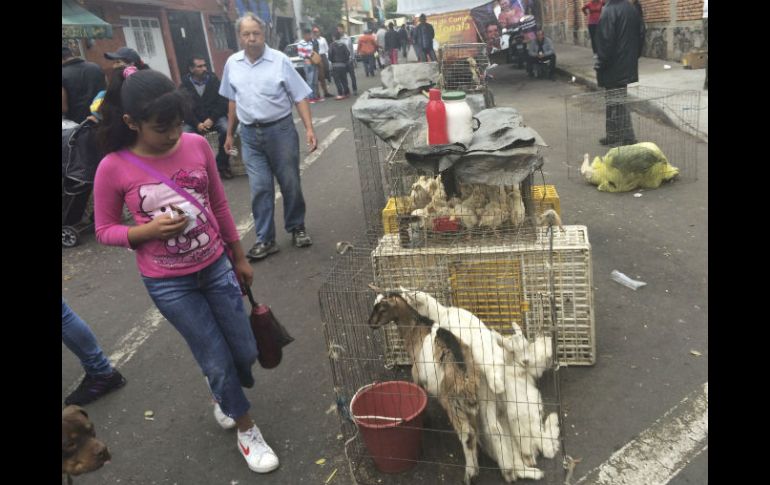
(296,60)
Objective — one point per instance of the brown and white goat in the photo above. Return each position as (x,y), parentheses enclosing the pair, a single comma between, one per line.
(443,366)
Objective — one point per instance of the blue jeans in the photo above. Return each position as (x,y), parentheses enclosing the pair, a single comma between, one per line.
(273,152)
(368,60)
(220,126)
(311,78)
(81,341)
(207,309)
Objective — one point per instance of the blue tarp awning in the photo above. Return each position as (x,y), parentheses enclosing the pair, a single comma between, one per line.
(79,23)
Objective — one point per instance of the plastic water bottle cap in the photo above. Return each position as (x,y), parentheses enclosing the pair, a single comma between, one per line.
(434,94)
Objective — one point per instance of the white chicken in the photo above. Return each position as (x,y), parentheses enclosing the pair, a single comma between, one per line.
(493,215)
(465,212)
(516,206)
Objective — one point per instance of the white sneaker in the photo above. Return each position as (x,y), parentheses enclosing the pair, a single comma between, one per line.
(225,421)
(259,456)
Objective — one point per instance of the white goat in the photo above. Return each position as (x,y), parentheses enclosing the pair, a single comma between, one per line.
(443,365)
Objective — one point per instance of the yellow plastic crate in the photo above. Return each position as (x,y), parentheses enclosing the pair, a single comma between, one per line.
(395,207)
(545,197)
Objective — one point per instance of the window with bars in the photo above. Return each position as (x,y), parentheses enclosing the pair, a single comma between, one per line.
(224,33)
(141,29)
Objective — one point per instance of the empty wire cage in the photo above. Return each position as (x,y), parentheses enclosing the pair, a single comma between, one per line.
(491,402)
(598,121)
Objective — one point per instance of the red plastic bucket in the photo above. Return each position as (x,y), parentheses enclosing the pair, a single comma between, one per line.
(389,416)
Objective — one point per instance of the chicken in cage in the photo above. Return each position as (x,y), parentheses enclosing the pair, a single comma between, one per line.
(463,67)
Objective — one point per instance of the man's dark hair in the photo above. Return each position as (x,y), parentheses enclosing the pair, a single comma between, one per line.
(490,24)
(390,26)
(422,17)
(66,53)
(306,31)
(191,61)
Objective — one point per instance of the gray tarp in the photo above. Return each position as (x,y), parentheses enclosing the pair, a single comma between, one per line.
(503,151)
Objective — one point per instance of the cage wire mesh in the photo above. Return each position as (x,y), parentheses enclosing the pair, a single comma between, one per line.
(462,67)
(667,117)
(503,390)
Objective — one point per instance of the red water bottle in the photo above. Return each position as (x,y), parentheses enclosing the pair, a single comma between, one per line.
(436,114)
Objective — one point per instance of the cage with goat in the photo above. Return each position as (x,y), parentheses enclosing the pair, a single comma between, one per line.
(636,137)
(493,404)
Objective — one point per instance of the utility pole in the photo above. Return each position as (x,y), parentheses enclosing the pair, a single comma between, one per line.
(347,18)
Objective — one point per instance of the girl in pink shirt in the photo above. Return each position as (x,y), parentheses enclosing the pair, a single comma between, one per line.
(180,250)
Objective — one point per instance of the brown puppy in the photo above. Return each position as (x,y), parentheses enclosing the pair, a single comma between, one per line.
(81,452)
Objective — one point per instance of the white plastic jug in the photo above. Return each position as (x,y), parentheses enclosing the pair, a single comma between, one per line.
(459,118)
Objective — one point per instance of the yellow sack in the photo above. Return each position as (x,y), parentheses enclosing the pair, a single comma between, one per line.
(629,167)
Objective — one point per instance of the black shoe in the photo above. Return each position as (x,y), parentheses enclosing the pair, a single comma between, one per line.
(300,238)
(225,173)
(92,388)
(607,142)
(261,250)
(327,95)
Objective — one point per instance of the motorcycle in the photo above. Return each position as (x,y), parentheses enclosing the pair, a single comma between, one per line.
(517,47)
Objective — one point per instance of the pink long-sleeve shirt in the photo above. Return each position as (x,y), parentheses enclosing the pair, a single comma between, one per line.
(193,167)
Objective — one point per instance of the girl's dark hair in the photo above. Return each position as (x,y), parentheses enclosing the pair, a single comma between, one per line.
(145,95)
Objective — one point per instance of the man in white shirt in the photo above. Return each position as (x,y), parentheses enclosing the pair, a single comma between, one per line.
(323,71)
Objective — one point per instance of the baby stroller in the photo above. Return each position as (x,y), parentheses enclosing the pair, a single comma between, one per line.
(79,159)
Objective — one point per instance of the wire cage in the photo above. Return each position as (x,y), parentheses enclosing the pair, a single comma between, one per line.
(426,208)
(462,67)
(598,121)
(497,399)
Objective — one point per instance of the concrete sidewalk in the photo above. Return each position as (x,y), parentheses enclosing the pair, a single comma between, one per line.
(578,61)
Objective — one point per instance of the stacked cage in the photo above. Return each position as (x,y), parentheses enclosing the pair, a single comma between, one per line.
(492,400)
(603,120)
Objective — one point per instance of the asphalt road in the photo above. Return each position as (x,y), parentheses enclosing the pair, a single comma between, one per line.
(644,367)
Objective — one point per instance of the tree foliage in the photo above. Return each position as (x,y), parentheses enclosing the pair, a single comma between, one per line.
(327,13)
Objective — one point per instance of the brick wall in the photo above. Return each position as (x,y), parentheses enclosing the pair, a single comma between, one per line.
(666,38)
(660,10)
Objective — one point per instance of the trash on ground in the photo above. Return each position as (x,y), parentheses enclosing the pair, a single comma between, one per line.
(695,353)
(624,280)
(666,66)
(149,415)
(638,194)
(320,461)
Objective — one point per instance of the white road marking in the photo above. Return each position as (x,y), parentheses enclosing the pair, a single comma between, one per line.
(662,450)
(317,121)
(138,335)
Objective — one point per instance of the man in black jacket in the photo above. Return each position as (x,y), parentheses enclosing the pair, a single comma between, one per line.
(80,82)
(619,39)
(424,35)
(209,108)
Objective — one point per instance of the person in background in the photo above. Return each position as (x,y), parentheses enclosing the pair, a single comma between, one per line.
(322,47)
(380,45)
(263,86)
(403,39)
(339,55)
(619,40)
(424,35)
(209,109)
(593,10)
(101,377)
(541,49)
(305,51)
(81,81)
(126,56)
(367,46)
(706,39)
(352,63)
(392,44)
(413,39)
